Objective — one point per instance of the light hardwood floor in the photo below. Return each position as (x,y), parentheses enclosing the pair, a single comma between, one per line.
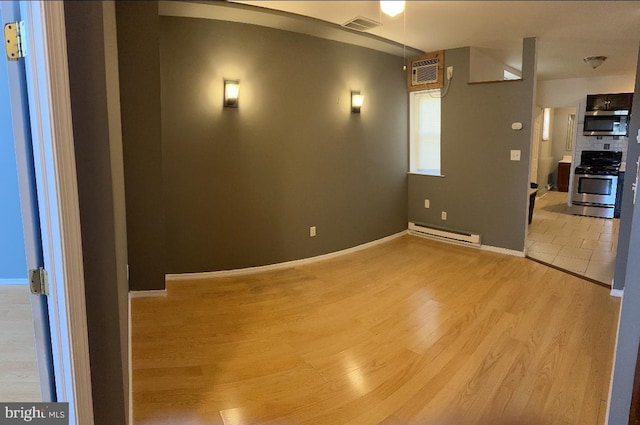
(18,367)
(409,332)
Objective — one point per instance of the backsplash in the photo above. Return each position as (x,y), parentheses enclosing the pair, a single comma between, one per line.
(599,143)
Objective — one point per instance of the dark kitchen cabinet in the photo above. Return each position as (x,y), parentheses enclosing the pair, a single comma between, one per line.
(609,102)
(564,170)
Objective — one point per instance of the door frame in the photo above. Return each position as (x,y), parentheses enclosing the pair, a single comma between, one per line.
(54,162)
(536,137)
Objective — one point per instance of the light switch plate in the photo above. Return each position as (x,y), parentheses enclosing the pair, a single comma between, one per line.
(515,155)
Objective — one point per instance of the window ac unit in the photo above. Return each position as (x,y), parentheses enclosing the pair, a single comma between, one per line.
(424,72)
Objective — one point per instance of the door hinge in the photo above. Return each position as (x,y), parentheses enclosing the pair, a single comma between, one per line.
(38,281)
(15,40)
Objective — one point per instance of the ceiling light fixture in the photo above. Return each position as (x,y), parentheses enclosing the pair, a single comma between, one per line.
(595,61)
(392,8)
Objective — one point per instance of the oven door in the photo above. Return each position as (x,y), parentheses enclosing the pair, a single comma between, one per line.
(594,190)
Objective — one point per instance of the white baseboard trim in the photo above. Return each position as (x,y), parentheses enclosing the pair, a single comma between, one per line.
(130,360)
(505,251)
(618,293)
(148,294)
(441,239)
(613,367)
(489,248)
(295,263)
(14,281)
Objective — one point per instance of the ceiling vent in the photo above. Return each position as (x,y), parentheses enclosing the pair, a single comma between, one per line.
(361,24)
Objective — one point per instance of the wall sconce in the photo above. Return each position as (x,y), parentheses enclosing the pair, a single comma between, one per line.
(356,102)
(231,90)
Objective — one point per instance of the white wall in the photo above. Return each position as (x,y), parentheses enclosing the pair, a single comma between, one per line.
(546,162)
(485,66)
(573,91)
(559,138)
(559,132)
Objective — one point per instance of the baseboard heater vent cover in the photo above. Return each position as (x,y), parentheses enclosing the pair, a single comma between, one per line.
(444,234)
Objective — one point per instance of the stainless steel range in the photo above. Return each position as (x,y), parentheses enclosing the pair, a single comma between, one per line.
(595,184)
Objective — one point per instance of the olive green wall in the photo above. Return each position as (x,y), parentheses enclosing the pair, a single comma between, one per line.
(482,190)
(101,208)
(243,186)
(139,70)
(626,277)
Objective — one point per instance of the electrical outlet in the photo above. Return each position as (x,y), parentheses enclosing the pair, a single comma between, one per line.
(312,231)
(444,215)
(426,203)
(449,72)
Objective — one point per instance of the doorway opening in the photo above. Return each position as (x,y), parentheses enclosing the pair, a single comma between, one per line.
(582,245)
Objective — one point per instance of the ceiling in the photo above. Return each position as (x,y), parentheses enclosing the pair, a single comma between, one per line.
(567,31)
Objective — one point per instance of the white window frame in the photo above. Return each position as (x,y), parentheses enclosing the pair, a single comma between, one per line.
(414,166)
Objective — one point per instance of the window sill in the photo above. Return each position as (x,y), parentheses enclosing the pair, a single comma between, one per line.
(414,173)
(496,81)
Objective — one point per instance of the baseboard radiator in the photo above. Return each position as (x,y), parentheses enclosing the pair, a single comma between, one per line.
(444,234)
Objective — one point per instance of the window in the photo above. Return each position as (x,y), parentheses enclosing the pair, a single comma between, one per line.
(424,127)
(508,75)
(546,124)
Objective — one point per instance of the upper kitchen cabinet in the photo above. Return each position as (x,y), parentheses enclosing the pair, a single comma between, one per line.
(609,102)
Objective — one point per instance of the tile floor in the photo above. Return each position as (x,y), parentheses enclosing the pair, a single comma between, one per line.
(583,245)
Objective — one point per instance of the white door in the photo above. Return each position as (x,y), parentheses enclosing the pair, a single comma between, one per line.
(47,130)
(10,12)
